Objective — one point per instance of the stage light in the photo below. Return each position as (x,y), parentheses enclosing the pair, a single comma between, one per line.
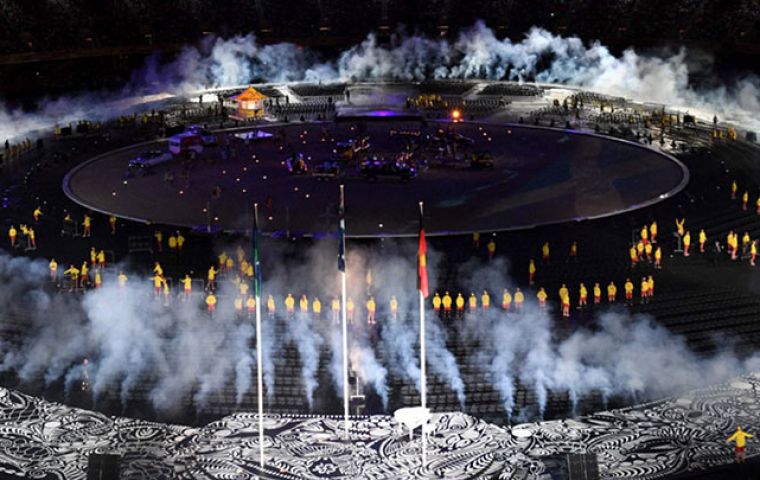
(456,115)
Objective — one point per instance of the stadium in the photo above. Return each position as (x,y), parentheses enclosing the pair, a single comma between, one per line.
(479,250)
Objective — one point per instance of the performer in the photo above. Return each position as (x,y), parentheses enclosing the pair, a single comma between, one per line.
(437,304)
(73,273)
(53,265)
(211,277)
(303,304)
(686,243)
(531,272)
(446,302)
(98,279)
(187,284)
(122,279)
(658,258)
(734,189)
(740,437)
(597,294)
(12,234)
(473,302)
(702,240)
(350,310)
(628,291)
(506,300)
(460,305)
(102,259)
(541,295)
(316,307)
(574,251)
(371,307)
(680,226)
(485,300)
(159,236)
(87,224)
(250,306)
(394,307)
(491,247)
(634,256)
(270,307)
(211,303)
(582,296)
(545,252)
(112,224)
(290,305)
(753,253)
(335,307)
(519,300)
(745,200)
(476,241)
(653,232)
(565,302)
(611,292)
(37,214)
(93,257)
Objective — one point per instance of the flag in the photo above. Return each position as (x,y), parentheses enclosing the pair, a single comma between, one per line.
(342,235)
(422,260)
(256,261)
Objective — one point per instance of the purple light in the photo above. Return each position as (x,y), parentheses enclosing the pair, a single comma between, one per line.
(382,113)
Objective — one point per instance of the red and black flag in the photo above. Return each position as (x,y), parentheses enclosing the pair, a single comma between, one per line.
(422,274)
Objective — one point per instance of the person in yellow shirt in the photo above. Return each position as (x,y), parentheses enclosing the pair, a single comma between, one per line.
(485,300)
(303,304)
(437,304)
(187,284)
(222,260)
(290,305)
(473,302)
(87,224)
(582,296)
(680,226)
(350,310)
(746,240)
(32,239)
(180,243)
(611,292)
(98,279)
(648,251)
(640,250)
(740,438)
(446,302)
(531,272)
(167,293)
(519,300)
(597,294)
(172,242)
(122,279)
(12,235)
(250,305)
(157,269)
(102,259)
(658,258)
(37,214)
(158,282)
(476,241)
(563,291)
(541,296)
(53,265)
(628,291)
(159,236)
(734,189)
(73,273)
(491,247)
(650,287)
(238,302)
(394,307)
(653,232)
(112,224)
(371,307)
(316,308)
(686,243)
(243,287)
(753,252)
(644,234)
(211,303)
(545,252)
(574,251)
(84,275)
(459,302)
(702,240)
(644,290)
(634,256)
(270,307)
(230,264)
(211,277)
(565,303)
(745,200)
(506,300)
(335,307)
(93,257)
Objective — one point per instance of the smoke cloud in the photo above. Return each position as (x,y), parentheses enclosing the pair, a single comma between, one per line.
(477,53)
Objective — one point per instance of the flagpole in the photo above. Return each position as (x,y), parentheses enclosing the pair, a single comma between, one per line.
(344,326)
(423,366)
(259,363)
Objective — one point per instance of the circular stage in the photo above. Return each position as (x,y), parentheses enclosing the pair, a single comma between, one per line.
(539,176)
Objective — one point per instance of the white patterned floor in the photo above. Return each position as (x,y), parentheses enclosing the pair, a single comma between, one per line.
(39,439)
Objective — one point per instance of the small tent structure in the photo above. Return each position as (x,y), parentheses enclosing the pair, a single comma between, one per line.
(249,104)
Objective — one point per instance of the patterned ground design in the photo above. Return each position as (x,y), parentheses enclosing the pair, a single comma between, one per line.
(39,439)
